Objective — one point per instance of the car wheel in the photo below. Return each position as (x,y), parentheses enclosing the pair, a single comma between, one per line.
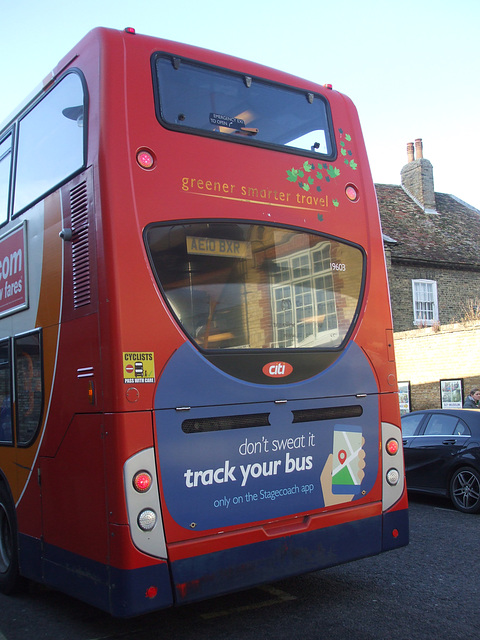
(465,490)
(9,572)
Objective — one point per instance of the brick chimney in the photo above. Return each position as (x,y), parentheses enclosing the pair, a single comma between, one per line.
(410,152)
(417,177)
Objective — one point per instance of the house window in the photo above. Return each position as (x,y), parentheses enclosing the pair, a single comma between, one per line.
(425,303)
(304,290)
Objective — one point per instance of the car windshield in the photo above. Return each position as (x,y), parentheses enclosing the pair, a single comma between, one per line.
(254,286)
(218,102)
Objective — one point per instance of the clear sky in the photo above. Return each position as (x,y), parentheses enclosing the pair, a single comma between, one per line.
(410,66)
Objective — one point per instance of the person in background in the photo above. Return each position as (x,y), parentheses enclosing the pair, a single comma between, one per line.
(472,401)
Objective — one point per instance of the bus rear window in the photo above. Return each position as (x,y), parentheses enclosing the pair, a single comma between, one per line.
(217,102)
(250,286)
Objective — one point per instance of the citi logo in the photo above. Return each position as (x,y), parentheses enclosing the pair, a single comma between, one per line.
(277,369)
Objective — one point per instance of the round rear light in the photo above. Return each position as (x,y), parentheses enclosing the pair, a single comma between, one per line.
(392,446)
(142,481)
(393,477)
(351,192)
(147,519)
(145,159)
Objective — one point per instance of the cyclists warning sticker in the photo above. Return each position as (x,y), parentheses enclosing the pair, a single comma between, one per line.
(138,367)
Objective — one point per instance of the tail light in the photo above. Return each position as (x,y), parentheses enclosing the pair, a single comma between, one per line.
(392,446)
(143,503)
(142,481)
(392,465)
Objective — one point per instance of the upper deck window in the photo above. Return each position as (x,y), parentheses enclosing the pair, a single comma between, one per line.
(50,142)
(250,286)
(5,169)
(218,102)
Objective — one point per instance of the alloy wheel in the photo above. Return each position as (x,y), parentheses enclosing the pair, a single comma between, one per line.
(465,490)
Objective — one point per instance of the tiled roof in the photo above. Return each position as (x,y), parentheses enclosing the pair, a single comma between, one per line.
(452,235)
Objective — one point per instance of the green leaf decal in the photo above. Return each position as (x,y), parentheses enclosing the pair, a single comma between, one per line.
(319,175)
(294,174)
(343,152)
(335,203)
(348,137)
(333,172)
(353,164)
(307,166)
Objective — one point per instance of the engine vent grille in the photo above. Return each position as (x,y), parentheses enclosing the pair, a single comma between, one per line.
(82,292)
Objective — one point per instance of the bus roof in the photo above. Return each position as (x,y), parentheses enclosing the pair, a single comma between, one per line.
(106,35)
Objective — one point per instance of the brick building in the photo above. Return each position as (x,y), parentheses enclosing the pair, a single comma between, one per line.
(433,260)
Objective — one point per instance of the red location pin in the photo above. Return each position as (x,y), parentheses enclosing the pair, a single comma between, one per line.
(342,456)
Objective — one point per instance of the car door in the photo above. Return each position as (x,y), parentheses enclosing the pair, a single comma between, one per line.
(440,438)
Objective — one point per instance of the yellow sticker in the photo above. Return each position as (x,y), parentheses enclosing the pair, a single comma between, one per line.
(138,367)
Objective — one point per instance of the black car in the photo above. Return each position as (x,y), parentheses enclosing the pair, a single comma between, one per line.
(442,454)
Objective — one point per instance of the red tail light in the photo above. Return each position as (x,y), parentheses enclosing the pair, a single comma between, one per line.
(142,481)
(145,159)
(392,446)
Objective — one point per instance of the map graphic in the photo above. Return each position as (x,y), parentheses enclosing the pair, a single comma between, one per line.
(345,466)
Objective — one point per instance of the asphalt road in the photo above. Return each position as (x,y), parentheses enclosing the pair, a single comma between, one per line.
(428,590)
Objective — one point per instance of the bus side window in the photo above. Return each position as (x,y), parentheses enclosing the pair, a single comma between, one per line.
(50,142)
(5,170)
(6,432)
(28,387)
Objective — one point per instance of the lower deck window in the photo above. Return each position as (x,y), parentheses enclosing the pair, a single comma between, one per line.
(28,387)
(21,389)
(6,431)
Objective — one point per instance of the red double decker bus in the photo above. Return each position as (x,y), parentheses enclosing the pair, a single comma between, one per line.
(197,378)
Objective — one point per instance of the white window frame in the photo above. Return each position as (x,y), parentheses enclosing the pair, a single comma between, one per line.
(304,267)
(425,302)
